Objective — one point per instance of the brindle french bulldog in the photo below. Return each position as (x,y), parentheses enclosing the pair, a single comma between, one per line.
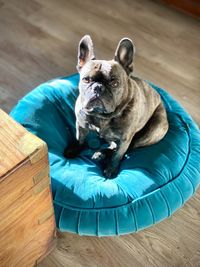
(125,110)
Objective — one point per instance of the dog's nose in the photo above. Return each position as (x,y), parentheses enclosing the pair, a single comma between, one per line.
(98,89)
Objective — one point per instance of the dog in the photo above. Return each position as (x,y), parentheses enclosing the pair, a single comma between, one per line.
(123,109)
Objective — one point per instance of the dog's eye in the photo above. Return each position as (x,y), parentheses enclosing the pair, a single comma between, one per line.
(114,83)
(86,79)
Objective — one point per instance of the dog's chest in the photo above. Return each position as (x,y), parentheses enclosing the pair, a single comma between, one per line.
(103,128)
(96,124)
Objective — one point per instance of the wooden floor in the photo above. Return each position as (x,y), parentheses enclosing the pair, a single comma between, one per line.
(38,41)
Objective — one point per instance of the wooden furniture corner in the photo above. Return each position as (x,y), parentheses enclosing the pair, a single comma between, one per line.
(27,224)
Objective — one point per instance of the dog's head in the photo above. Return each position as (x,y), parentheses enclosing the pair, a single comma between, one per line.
(103,83)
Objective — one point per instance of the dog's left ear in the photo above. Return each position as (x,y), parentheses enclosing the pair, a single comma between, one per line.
(85,51)
(124,54)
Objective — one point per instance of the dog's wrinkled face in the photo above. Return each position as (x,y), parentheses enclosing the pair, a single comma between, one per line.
(100,86)
(102,83)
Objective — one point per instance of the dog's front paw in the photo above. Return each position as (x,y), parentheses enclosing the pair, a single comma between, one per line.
(73,150)
(110,172)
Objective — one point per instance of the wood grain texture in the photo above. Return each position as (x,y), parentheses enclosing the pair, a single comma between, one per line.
(9,159)
(27,222)
(195,260)
(17,144)
(39,41)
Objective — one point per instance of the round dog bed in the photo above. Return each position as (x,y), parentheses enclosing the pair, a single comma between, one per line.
(152,183)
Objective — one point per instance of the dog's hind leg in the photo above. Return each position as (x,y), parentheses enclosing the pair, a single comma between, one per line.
(153,131)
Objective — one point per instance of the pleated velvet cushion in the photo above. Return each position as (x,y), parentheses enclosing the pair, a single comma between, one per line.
(153,182)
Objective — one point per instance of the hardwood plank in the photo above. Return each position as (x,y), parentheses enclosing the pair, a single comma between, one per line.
(195,260)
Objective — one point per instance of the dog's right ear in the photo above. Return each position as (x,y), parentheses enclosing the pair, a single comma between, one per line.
(85,51)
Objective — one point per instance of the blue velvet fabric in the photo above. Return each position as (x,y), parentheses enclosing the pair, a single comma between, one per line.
(152,183)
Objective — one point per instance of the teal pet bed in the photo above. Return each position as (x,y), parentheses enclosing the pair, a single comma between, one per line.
(153,182)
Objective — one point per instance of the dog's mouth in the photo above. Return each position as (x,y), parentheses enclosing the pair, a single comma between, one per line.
(94,105)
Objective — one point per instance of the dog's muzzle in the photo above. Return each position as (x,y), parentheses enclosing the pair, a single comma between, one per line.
(92,98)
